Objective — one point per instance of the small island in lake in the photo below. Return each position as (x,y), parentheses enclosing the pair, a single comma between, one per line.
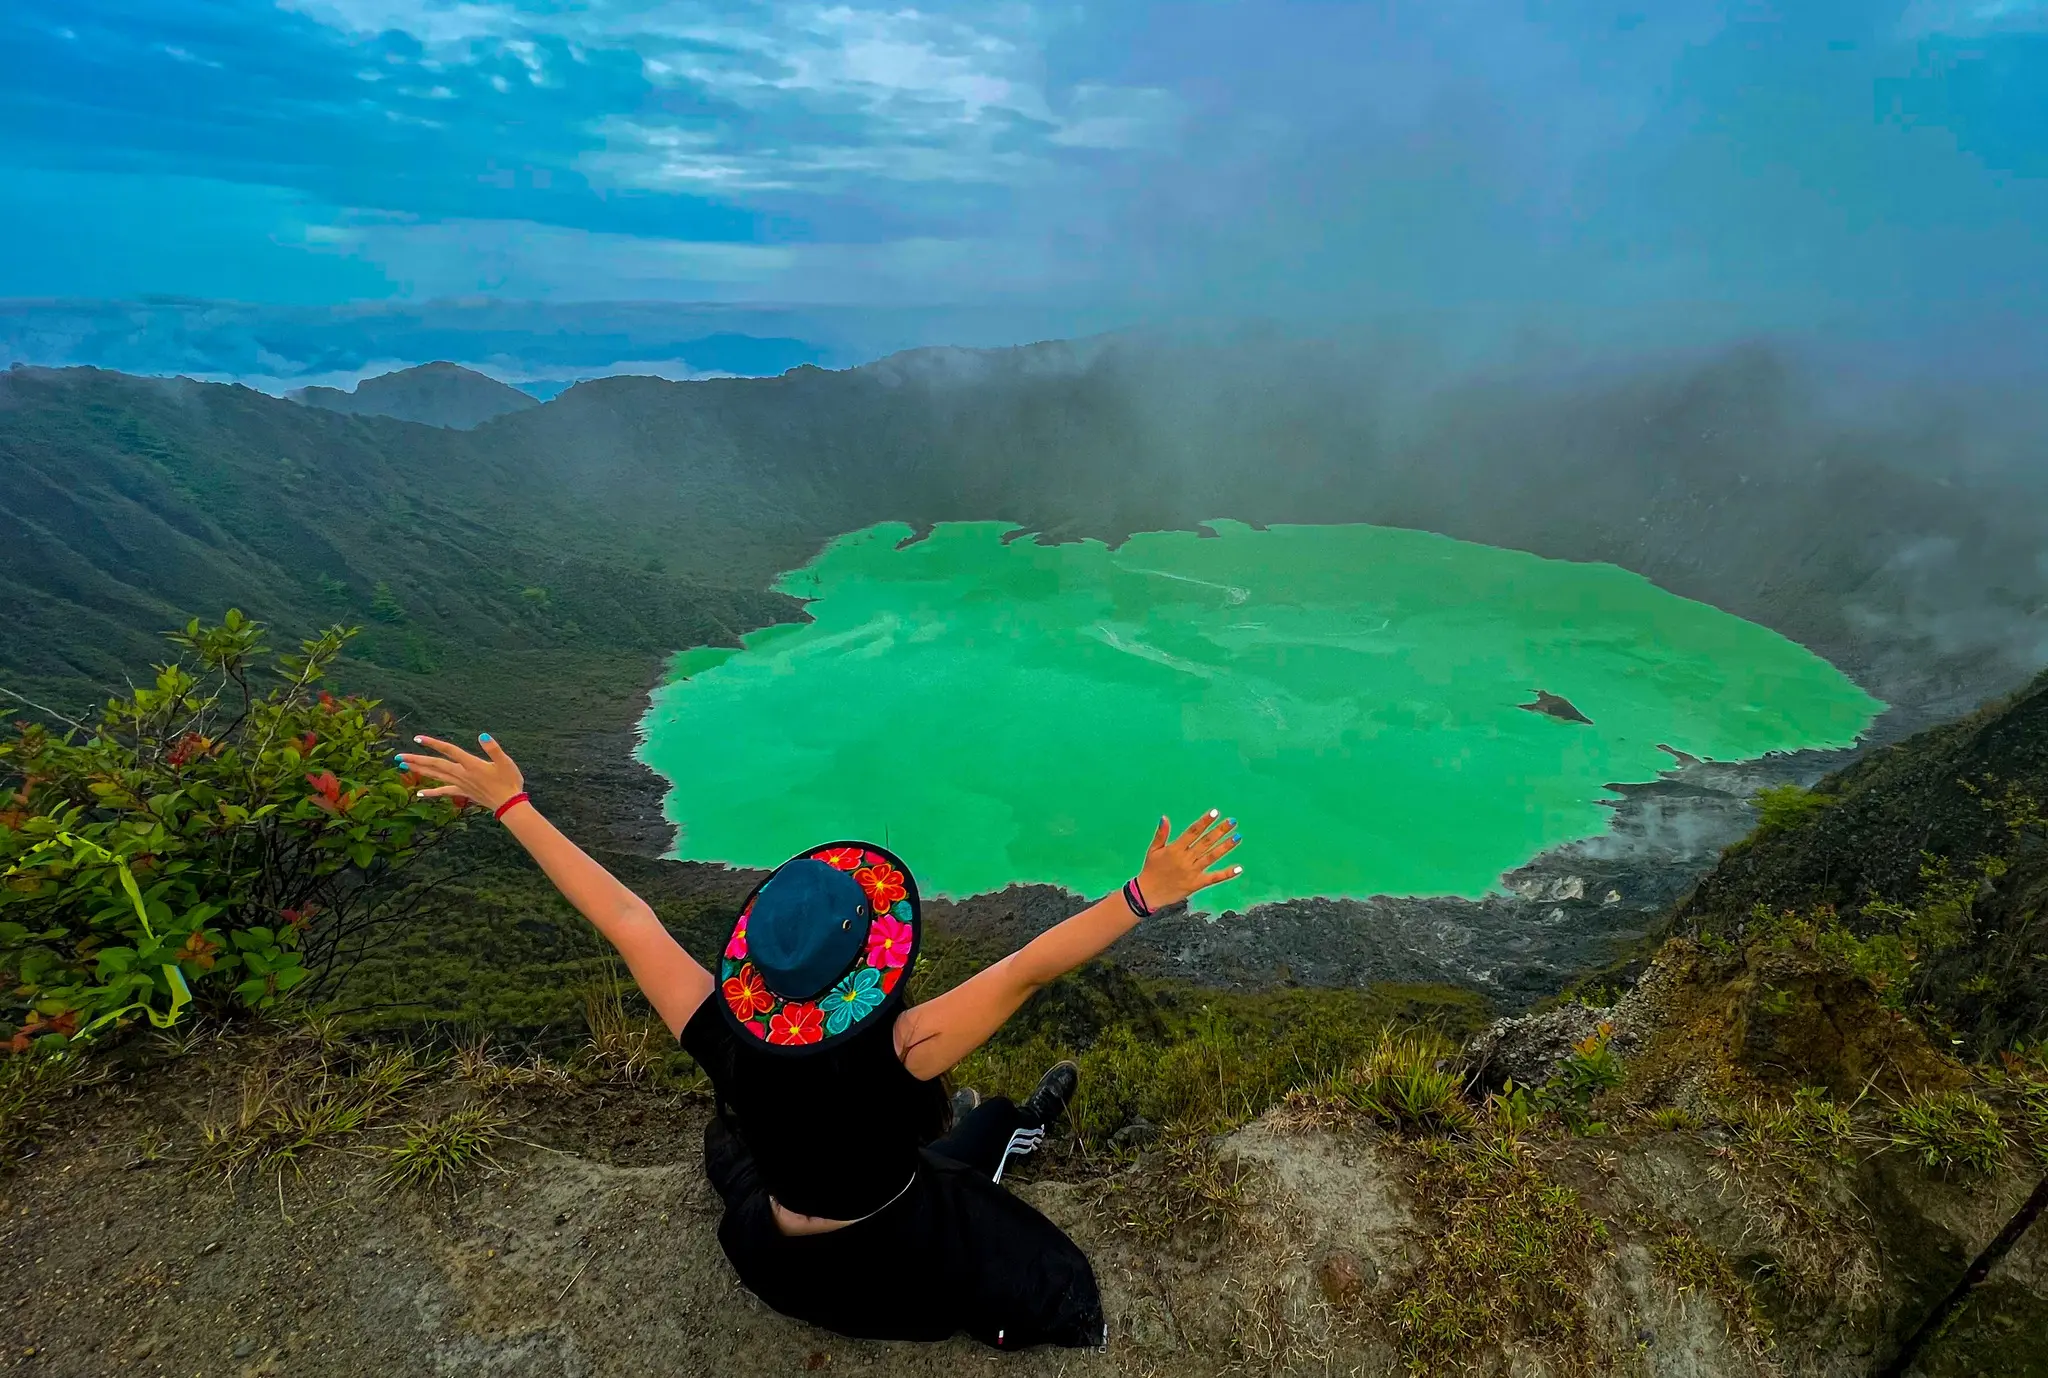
(1556,706)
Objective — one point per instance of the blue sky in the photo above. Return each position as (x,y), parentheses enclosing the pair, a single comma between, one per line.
(1781,165)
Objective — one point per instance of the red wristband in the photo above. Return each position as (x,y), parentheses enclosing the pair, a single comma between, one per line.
(509,804)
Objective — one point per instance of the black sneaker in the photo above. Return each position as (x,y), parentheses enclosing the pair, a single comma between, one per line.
(1055,1089)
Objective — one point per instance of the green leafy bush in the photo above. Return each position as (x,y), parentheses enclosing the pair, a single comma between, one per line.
(1783,807)
(227,835)
(384,604)
(1590,1068)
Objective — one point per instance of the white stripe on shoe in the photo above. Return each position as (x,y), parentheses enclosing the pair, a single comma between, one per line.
(1022,1142)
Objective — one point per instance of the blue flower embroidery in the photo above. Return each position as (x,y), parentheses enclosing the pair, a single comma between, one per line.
(900,910)
(852,999)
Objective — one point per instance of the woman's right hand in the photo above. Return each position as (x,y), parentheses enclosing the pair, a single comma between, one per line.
(1178,868)
(489,779)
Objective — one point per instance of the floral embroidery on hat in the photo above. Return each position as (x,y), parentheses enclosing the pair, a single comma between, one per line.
(747,994)
(883,882)
(890,946)
(853,998)
(843,858)
(889,941)
(796,1023)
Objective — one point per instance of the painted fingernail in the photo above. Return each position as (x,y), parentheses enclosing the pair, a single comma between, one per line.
(483,736)
(1230,822)
(420,740)
(1237,870)
(1214,812)
(401,763)
(1233,837)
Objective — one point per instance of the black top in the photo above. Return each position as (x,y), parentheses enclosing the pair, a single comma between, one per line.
(834,1135)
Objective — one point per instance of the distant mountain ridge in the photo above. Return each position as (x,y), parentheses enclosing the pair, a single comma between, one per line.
(279,347)
(435,394)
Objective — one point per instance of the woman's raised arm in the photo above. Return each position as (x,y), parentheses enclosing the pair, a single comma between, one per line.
(674,982)
(931,1037)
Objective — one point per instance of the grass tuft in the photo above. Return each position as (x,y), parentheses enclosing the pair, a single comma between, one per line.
(1403,1082)
(1184,1193)
(1672,1118)
(306,1099)
(622,1046)
(476,1063)
(1789,1160)
(31,1087)
(2022,1073)
(1206,1061)
(1693,1266)
(432,1153)
(1948,1130)
(1506,1261)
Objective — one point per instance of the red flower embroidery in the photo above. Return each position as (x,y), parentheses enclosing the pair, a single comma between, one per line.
(736,945)
(884,884)
(797,1023)
(748,994)
(843,858)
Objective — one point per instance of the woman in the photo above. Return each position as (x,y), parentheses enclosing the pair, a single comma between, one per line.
(844,1206)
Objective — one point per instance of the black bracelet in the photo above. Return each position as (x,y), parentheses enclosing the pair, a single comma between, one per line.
(1135,898)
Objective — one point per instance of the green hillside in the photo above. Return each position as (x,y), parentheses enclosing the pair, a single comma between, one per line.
(1934,850)
(436,394)
(133,505)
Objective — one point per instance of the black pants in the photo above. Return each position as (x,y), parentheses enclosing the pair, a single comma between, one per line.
(991,1136)
(954,1253)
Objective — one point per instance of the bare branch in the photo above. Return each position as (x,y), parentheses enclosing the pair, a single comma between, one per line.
(50,712)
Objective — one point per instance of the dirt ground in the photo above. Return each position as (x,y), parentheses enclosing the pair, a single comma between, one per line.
(589,1249)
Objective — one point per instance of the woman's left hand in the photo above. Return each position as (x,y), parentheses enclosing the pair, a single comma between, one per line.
(1174,869)
(489,779)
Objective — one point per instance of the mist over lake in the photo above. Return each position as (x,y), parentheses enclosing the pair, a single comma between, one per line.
(1015,712)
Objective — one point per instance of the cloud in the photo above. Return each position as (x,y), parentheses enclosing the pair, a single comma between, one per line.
(1829,165)
(438,25)
(1970,17)
(454,257)
(779,98)
(451,258)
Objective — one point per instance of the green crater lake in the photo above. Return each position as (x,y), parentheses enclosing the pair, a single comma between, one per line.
(1010,713)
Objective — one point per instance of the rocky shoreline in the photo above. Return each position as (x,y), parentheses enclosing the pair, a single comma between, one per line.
(1570,910)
